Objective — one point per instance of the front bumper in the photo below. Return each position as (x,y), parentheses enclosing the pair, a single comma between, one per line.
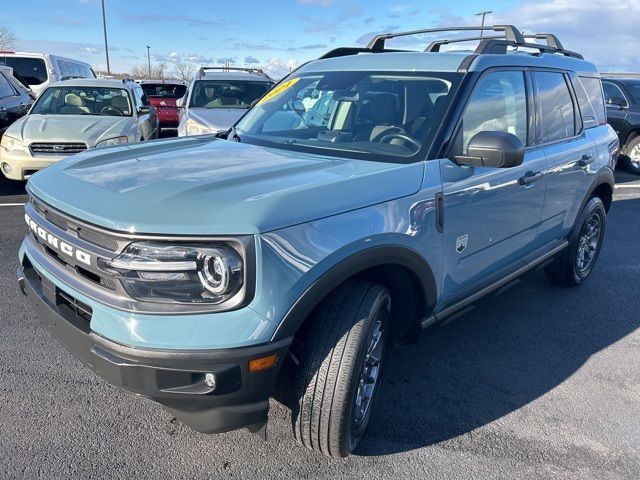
(173,378)
(23,164)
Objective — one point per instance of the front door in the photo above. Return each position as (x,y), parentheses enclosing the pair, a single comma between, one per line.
(617,107)
(491,215)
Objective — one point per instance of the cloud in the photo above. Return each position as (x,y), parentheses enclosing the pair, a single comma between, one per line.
(278,68)
(225,60)
(613,47)
(186,19)
(251,60)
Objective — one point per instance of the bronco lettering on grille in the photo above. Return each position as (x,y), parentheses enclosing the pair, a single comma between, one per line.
(56,243)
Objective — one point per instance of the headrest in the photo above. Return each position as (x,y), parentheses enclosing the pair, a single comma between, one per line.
(73,100)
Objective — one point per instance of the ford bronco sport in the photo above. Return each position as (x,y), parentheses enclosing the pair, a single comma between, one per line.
(191,270)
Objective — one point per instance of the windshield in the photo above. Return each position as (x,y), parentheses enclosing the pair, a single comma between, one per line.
(70,100)
(164,90)
(30,71)
(227,93)
(357,114)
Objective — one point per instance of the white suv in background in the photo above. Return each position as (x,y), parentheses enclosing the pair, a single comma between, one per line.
(39,70)
(218,96)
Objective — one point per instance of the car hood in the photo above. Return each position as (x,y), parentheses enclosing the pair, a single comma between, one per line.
(217,118)
(207,186)
(89,129)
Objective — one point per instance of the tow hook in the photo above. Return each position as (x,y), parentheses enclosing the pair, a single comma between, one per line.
(20,274)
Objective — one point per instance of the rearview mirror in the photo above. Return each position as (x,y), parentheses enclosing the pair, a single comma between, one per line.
(493,149)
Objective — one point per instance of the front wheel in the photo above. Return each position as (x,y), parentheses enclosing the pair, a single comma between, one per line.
(341,361)
(631,158)
(576,263)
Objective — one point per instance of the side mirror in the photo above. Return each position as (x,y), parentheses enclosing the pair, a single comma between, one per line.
(144,110)
(493,149)
(617,102)
(180,102)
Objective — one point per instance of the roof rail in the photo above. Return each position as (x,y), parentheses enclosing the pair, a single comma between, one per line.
(257,71)
(435,45)
(498,46)
(511,34)
(551,39)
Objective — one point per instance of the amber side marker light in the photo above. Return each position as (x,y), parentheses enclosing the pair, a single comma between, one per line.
(263,363)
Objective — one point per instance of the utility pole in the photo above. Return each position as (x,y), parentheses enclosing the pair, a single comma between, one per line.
(149,59)
(483,14)
(106,45)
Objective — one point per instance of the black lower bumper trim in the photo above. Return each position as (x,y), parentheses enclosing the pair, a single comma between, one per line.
(175,379)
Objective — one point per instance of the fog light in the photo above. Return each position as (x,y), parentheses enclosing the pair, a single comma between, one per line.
(210,380)
(6,168)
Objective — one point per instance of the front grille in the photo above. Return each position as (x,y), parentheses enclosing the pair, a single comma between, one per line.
(58,148)
(98,239)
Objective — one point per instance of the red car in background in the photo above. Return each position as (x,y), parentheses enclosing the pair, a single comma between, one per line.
(163,95)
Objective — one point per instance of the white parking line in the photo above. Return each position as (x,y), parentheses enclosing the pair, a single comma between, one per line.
(627,186)
(11,204)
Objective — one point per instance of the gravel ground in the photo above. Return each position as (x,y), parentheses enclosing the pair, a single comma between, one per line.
(539,382)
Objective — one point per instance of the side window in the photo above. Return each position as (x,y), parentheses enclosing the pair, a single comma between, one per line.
(587,112)
(497,104)
(6,90)
(593,86)
(613,95)
(557,115)
(141,98)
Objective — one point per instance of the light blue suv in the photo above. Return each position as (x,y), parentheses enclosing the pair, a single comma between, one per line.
(370,194)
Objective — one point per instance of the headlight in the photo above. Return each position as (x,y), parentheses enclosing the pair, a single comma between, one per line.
(109,142)
(158,272)
(194,127)
(10,143)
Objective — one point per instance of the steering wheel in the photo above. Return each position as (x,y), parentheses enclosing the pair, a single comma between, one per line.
(401,136)
(109,110)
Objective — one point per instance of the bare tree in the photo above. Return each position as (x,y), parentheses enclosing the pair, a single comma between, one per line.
(183,70)
(159,71)
(7,38)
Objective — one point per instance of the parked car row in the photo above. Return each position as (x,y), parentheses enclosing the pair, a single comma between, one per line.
(211,103)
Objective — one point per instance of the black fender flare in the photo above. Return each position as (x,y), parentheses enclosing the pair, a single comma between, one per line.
(376,256)
(605,177)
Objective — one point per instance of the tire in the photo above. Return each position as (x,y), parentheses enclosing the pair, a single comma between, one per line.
(575,264)
(631,157)
(332,360)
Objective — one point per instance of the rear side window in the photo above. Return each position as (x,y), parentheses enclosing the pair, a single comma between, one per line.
(498,104)
(30,71)
(593,87)
(557,115)
(6,90)
(589,119)
(74,70)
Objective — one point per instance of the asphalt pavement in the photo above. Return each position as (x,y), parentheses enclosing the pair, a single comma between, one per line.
(539,382)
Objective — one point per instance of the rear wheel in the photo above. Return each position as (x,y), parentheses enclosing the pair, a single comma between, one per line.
(577,261)
(340,366)
(631,158)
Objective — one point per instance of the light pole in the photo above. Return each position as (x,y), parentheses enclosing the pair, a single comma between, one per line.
(106,45)
(483,14)
(149,60)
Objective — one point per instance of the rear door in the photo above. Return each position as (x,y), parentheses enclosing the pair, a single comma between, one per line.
(570,152)
(491,215)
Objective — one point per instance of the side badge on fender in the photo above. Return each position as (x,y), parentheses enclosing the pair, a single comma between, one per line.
(461,243)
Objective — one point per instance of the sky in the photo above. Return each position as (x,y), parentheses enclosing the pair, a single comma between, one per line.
(278,35)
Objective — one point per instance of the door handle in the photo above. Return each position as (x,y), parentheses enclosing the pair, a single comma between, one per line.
(586,160)
(530,177)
